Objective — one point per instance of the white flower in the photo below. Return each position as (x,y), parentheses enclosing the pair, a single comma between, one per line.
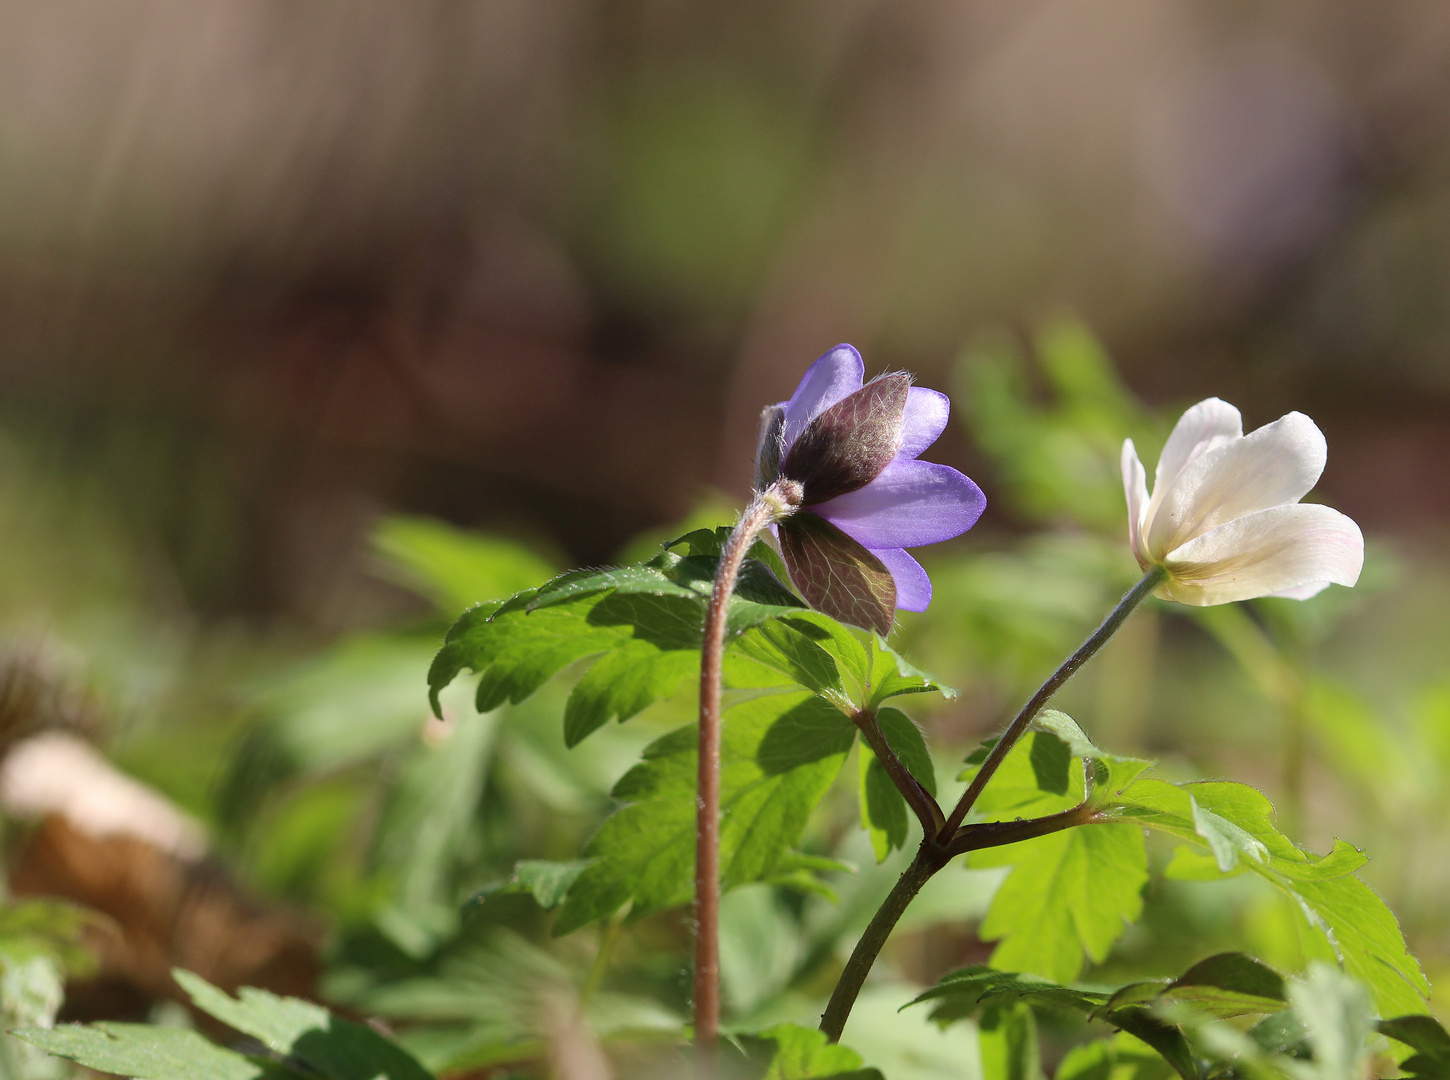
(1225,519)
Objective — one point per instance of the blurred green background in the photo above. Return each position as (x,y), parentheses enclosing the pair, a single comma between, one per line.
(289,295)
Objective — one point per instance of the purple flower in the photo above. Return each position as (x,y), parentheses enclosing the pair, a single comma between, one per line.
(865,497)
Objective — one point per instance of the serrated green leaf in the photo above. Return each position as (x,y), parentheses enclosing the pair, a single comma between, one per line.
(1234,823)
(547,882)
(1070,895)
(1365,937)
(884,812)
(997,993)
(639,625)
(299,1030)
(791,646)
(891,675)
(624,683)
(144,1052)
(779,755)
(964,992)
(1036,778)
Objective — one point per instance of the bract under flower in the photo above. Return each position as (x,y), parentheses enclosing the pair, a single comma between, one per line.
(1224,518)
(866,498)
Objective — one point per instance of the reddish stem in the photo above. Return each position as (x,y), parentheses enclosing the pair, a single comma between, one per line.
(770,505)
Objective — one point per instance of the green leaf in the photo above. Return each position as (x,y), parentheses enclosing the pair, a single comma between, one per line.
(801,1053)
(1070,896)
(1123,1057)
(636,631)
(1428,1038)
(1007,1042)
(795,870)
(997,994)
(547,882)
(1235,824)
(884,812)
(144,1052)
(641,626)
(779,755)
(299,1030)
(891,675)
(964,993)
(791,646)
(1229,984)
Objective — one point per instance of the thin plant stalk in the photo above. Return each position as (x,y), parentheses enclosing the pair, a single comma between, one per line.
(952,838)
(777,501)
(930,858)
(1068,668)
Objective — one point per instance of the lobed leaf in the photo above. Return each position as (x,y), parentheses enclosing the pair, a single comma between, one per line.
(1230,984)
(1234,824)
(779,755)
(547,882)
(1069,897)
(306,1033)
(145,1052)
(637,630)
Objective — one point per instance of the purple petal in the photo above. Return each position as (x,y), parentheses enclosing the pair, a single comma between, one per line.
(833,376)
(913,587)
(911,503)
(924,421)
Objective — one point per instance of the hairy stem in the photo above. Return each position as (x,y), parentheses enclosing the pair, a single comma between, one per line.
(775,502)
(927,811)
(1015,730)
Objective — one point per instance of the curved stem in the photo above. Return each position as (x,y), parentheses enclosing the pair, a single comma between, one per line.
(775,502)
(929,859)
(1096,640)
(927,811)
(927,862)
(951,839)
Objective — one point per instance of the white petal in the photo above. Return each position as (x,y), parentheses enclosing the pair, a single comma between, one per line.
(1303,592)
(1273,551)
(1208,424)
(1135,487)
(1273,466)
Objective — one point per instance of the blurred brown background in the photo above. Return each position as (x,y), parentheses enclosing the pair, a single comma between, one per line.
(267,268)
